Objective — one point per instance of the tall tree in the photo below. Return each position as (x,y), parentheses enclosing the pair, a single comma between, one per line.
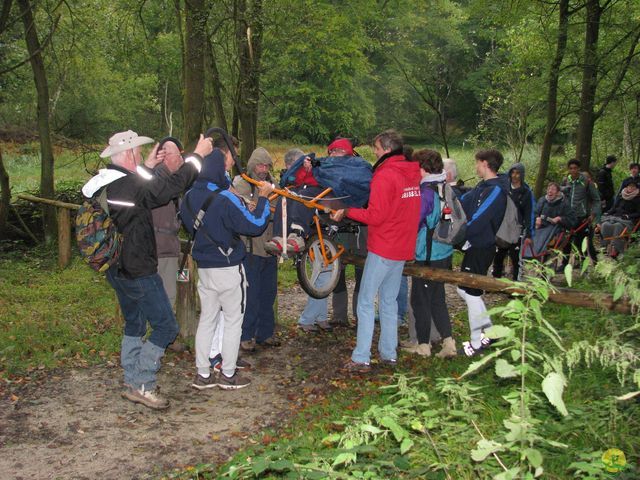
(249,28)
(195,50)
(34,47)
(551,125)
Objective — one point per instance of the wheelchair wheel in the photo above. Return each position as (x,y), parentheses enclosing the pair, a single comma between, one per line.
(315,278)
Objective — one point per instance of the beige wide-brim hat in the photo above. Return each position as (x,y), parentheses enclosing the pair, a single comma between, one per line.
(124,141)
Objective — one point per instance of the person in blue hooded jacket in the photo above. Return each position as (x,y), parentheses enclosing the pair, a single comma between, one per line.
(484,206)
(219,253)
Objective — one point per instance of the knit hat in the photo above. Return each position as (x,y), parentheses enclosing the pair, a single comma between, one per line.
(291,156)
(123,141)
(342,144)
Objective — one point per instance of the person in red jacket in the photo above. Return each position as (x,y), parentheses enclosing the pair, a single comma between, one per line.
(392,216)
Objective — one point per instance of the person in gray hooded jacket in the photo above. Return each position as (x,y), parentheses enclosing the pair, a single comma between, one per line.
(523,197)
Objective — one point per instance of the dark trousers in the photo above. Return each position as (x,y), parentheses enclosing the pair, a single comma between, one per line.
(513,252)
(429,303)
(577,240)
(477,260)
(262,276)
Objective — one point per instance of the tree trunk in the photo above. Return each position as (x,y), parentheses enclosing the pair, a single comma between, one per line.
(195,48)
(44,129)
(552,97)
(216,85)
(5,199)
(586,120)
(249,38)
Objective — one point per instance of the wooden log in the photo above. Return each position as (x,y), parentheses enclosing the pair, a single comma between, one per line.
(186,298)
(47,201)
(564,296)
(64,237)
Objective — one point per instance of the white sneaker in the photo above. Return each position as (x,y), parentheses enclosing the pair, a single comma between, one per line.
(295,243)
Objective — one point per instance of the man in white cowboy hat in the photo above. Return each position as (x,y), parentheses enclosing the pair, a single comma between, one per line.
(132,191)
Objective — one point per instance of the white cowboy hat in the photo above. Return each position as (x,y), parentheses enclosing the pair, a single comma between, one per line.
(124,141)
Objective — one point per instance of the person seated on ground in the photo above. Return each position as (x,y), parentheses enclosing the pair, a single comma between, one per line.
(624,214)
(307,179)
(428,299)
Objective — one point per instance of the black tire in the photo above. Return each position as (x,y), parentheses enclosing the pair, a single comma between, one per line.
(308,269)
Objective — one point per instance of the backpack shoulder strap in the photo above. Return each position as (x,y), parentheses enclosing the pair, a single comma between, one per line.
(197,222)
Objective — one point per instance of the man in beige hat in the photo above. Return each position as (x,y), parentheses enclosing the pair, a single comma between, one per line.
(132,191)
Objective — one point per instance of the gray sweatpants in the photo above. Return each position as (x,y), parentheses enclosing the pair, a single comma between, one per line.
(218,288)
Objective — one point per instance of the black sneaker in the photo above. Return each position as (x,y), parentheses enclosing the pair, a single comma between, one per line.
(202,383)
(485,341)
(468,350)
(232,383)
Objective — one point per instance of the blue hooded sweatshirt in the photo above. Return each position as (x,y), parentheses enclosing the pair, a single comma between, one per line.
(217,244)
(484,206)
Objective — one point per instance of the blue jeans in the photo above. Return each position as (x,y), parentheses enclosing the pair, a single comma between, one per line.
(143,300)
(403,299)
(316,308)
(262,277)
(381,277)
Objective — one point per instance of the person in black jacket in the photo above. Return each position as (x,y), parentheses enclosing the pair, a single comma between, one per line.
(523,197)
(605,183)
(624,214)
(132,191)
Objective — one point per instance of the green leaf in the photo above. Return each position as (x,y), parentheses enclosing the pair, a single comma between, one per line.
(484,448)
(553,387)
(402,462)
(618,292)
(585,245)
(516,431)
(406,445)
(480,363)
(515,354)
(331,438)
(344,458)
(585,264)
(281,465)
(398,432)
(534,456)
(568,273)
(499,331)
(259,465)
(508,475)
(371,429)
(504,369)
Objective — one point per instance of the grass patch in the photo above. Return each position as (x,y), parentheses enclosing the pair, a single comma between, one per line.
(54,317)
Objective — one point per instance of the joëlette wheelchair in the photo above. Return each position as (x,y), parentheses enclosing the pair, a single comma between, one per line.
(554,240)
(324,248)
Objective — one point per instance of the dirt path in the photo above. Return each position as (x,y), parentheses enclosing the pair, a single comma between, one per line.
(73,424)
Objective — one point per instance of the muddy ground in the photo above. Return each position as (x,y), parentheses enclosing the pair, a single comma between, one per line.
(74,424)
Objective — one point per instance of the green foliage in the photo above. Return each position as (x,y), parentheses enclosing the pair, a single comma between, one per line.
(54,317)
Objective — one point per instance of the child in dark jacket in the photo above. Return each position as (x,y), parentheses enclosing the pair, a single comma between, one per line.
(219,254)
(624,215)
(484,206)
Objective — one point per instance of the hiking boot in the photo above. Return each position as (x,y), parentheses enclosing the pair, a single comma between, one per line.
(325,326)
(448,348)
(202,383)
(485,341)
(178,347)
(148,398)
(248,345)
(270,342)
(274,246)
(389,362)
(235,382)
(356,367)
(422,349)
(468,350)
(295,243)
(308,328)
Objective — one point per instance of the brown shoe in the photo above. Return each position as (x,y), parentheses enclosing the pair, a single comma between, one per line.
(248,346)
(148,398)
(178,347)
(355,367)
(232,383)
(269,342)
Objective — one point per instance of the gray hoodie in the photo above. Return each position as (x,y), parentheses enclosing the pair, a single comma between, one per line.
(583,196)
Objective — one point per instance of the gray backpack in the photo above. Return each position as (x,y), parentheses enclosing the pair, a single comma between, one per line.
(511,227)
(452,227)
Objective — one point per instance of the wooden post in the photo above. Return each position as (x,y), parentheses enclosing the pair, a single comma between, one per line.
(64,237)
(186,313)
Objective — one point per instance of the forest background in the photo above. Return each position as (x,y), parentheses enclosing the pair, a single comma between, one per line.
(552,77)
